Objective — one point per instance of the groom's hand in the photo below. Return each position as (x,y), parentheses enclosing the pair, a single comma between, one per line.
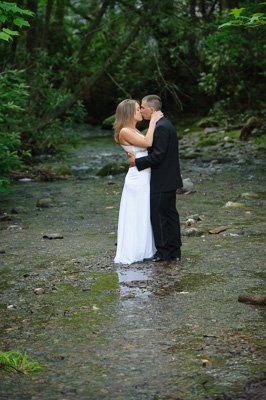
(131,158)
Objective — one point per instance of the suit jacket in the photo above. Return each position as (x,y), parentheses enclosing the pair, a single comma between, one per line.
(163,159)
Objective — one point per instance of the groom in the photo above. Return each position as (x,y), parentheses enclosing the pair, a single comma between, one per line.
(163,159)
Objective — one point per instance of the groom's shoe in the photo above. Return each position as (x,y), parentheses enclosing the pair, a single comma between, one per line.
(154,259)
(175,258)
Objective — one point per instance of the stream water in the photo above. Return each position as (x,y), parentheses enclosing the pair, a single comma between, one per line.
(146,331)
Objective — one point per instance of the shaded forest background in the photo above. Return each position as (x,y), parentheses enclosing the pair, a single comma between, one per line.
(77,59)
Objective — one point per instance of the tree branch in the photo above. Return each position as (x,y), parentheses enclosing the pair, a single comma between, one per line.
(87,84)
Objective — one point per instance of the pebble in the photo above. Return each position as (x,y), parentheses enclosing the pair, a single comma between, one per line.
(44,203)
(232,204)
(53,236)
(39,291)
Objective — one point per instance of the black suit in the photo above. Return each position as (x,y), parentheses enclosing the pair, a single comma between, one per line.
(163,159)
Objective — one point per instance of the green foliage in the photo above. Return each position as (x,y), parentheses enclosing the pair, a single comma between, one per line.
(251,20)
(234,63)
(9,14)
(179,54)
(14,96)
(12,361)
(23,102)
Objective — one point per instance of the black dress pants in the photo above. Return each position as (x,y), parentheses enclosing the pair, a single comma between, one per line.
(166,225)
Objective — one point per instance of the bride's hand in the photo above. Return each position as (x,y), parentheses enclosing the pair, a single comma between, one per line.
(156,115)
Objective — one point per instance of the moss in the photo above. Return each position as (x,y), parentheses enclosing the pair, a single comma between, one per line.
(208,123)
(61,170)
(234,133)
(206,143)
(113,168)
(206,156)
(57,169)
(190,155)
(260,140)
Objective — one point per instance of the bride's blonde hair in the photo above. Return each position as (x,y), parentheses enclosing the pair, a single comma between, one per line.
(124,116)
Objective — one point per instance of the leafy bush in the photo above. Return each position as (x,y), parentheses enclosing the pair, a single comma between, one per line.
(14,95)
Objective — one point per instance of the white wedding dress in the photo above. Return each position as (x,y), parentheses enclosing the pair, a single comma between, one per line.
(134,236)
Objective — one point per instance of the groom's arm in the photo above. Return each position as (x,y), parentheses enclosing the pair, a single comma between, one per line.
(159,150)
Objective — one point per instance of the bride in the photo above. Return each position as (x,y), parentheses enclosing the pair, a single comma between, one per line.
(134,236)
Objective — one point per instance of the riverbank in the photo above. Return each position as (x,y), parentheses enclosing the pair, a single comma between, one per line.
(132,332)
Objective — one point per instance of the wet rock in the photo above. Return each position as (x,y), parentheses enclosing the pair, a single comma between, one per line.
(44,203)
(39,291)
(249,196)
(218,230)
(229,145)
(53,236)
(6,218)
(113,168)
(68,312)
(206,364)
(190,221)
(188,186)
(18,210)
(195,216)
(232,204)
(258,299)
(207,131)
(61,170)
(208,122)
(254,389)
(25,180)
(228,139)
(12,307)
(192,232)
(14,227)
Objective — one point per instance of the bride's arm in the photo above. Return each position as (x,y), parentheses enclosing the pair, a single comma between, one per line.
(128,137)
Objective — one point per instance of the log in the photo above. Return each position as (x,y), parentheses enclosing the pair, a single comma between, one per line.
(258,299)
(247,130)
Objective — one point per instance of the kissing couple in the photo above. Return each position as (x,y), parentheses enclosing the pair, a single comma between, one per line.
(148,223)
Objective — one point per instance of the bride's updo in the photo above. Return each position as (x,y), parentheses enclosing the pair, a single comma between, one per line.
(124,116)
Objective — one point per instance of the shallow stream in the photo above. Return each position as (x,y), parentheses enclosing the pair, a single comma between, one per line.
(146,331)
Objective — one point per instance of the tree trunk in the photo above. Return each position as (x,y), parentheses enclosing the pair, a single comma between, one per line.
(213,6)
(192,4)
(95,24)
(203,8)
(89,83)
(60,11)
(46,24)
(32,5)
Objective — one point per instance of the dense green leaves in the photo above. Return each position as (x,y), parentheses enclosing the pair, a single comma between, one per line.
(250,20)
(9,13)
(177,51)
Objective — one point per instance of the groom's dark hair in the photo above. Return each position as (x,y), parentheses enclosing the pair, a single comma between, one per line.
(154,101)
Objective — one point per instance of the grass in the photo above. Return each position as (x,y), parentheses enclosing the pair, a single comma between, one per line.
(15,361)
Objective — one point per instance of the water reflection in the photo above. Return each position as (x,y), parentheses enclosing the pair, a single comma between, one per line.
(133,281)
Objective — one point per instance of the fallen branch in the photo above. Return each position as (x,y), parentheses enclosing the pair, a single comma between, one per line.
(258,299)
